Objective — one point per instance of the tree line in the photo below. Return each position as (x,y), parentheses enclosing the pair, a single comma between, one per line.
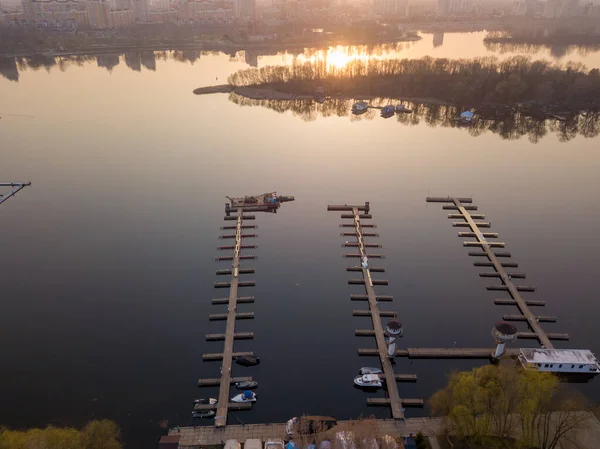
(493,405)
(97,434)
(472,82)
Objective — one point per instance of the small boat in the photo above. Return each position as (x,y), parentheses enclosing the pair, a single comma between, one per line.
(247,360)
(246,385)
(403,109)
(388,111)
(360,108)
(206,414)
(246,396)
(274,444)
(232,444)
(369,370)
(211,401)
(466,118)
(369,381)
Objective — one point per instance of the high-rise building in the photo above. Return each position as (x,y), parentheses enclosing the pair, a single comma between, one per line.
(454,7)
(438,39)
(442,8)
(248,9)
(54,11)
(397,8)
(98,13)
(142,10)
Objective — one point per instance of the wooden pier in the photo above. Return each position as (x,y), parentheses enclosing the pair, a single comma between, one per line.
(15,187)
(232,315)
(505,277)
(394,401)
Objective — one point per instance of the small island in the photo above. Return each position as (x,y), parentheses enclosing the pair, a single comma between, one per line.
(539,86)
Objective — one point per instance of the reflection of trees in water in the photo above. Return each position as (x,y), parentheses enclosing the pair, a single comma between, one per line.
(545,86)
(556,50)
(514,126)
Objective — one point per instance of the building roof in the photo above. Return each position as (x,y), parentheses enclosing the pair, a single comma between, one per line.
(559,356)
(170,439)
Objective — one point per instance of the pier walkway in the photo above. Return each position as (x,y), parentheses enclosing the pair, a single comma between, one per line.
(394,401)
(235,211)
(15,187)
(505,277)
(226,357)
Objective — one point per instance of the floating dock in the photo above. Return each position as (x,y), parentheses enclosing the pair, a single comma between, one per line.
(357,214)
(239,206)
(14,188)
(505,277)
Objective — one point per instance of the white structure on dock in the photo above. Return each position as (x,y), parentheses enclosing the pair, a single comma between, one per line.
(393,330)
(560,361)
(503,333)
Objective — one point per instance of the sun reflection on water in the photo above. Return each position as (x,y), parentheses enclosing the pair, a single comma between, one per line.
(338,57)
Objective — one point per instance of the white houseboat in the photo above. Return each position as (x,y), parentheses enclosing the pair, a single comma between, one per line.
(574,363)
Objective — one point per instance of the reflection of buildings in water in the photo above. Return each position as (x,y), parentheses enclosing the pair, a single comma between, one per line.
(191,55)
(438,39)
(558,51)
(133,60)
(251,58)
(8,69)
(148,60)
(108,61)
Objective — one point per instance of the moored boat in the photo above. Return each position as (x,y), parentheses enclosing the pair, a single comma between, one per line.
(247,360)
(369,370)
(369,381)
(266,202)
(206,414)
(246,385)
(246,396)
(388,111)
(360,108)
(403,109)
(211,401)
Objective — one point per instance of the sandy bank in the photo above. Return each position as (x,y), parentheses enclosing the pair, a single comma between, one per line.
(267,93)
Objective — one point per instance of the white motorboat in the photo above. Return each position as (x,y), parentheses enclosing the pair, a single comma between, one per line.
(369,381)
(369,370)
(246,396)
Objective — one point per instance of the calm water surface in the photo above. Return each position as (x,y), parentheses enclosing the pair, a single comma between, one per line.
(108,263)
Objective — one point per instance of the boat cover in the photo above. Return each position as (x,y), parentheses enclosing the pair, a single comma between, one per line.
(247,394)
(371,378)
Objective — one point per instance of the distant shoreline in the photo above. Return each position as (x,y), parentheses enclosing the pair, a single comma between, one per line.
(202,46)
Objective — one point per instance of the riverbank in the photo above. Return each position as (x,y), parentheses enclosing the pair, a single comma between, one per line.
(269,93)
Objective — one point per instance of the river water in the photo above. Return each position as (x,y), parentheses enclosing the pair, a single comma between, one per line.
(108,266)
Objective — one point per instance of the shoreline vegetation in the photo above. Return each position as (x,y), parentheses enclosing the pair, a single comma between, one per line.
(569,88)
(97,434)
(512,98)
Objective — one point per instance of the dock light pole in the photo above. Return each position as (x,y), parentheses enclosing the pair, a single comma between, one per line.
(503,333)
(393,330)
